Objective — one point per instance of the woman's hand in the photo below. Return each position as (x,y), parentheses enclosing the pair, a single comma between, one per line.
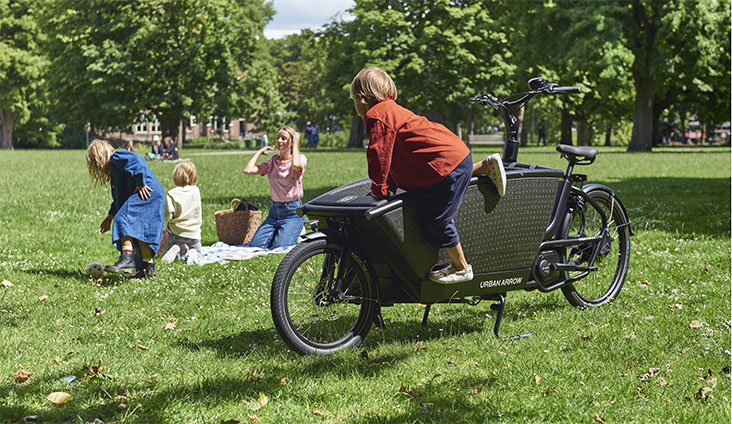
(144,192)
(106,224)
(265,150)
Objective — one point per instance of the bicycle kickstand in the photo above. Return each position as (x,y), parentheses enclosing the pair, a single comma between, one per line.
(501,298)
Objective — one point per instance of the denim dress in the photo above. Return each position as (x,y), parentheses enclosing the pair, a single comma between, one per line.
(140,219)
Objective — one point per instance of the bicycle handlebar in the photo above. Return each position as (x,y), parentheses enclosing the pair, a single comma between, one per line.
(509,108)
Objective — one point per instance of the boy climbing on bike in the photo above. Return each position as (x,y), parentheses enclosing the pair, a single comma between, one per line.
(410,152)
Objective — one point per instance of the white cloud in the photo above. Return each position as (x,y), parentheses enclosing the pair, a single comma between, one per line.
(294,15)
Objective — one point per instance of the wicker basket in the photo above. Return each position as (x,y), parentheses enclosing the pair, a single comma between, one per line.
(237,226)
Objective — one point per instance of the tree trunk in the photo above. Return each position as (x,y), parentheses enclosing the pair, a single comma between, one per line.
(642,139)
(521,135)
(566,128)
(181,135)
(468,122)
(585,133)
(356,137)
(7,120)
(608,133)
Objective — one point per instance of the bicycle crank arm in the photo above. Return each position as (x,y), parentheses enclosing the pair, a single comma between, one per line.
(572,267)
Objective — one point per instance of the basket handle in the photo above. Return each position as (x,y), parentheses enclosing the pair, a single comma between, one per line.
(238,202)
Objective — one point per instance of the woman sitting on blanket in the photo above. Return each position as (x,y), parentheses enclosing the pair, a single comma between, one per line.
(282,226)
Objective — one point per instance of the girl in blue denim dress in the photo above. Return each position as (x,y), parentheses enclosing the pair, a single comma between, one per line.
(138,206)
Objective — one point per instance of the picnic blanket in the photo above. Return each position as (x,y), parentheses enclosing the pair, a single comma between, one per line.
(222,253)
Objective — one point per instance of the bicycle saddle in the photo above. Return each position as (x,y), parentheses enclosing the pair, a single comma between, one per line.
(576,152)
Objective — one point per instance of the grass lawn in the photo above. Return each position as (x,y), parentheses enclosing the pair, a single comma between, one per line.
(659,353)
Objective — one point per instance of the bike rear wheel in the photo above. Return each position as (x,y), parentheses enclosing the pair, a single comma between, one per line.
(604,284)
(309,315)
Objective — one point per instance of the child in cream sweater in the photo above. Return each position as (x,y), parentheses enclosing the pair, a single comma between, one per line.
(183,216)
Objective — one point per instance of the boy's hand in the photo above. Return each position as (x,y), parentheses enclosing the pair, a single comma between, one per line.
(106,224)
(144,192)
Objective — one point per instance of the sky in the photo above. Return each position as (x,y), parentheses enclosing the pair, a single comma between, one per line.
(293,15)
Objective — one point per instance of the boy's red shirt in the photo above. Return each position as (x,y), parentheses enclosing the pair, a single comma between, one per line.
(407,150)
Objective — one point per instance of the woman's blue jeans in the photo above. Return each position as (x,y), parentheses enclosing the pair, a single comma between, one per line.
(281,227)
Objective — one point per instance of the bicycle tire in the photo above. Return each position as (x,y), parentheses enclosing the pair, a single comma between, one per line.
(603,285)
(307,321)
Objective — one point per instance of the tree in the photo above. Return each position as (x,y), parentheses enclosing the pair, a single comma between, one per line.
(438,53)
(22,65)
(670,40)
(168,59)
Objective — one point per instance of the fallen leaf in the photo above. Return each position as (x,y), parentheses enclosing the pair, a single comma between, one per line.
(598,418)
(263,399)
(662,381)
(426,404)
(652,372)
(686,349)
(59,398)
(142,347)
(95,369)
(609,403)
(98,311)
(644,284)
(254,418)
(255,371)
(7,283)
(405,389)
(650,317)
(42,297)
(322,414)
(537,380)
(284,381)
(364,354)
(628,365)
(703,393)
(502,353)
(676,306)
(695,324)
(122,406)
(170,325)
(477,389)
(22,376)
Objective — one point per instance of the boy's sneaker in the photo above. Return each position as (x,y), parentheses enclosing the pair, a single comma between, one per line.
(124,265)
(449,274)
(171,254)
(148,271)
(496,172)
(193,257)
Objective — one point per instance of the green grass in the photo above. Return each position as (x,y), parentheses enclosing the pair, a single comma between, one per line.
(638,360)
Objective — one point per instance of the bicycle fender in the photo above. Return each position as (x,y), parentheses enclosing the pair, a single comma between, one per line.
(592,187)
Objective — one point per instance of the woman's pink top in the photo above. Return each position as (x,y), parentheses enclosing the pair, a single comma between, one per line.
(285,184)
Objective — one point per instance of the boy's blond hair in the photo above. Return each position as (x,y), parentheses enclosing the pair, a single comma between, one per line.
(98,156)
(373,85)
(185,174)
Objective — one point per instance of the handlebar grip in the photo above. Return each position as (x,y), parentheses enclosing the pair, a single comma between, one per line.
(566,90)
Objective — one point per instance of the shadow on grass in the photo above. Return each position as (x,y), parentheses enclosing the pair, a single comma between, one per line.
(688,206)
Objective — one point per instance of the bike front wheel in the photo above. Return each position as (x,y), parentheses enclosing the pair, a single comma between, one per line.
(311,314)
(611,254)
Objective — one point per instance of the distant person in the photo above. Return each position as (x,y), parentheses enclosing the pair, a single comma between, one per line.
(542,133)
(138,206)
(309,134)
(183,216)
(282,226)
(265,140)
(315,135)
(171,150)
(129,146)
(157,147)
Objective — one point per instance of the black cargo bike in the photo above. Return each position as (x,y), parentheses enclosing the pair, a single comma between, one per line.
(550,231)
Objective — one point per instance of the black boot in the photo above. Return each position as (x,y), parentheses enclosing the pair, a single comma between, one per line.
(125,264)
(147,271)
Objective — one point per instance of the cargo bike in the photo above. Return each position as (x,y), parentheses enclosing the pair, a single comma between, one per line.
(550,231)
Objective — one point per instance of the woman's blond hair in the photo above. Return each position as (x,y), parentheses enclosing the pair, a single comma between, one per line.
(292,133)
(185,174)
(373,85)
(98,156)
